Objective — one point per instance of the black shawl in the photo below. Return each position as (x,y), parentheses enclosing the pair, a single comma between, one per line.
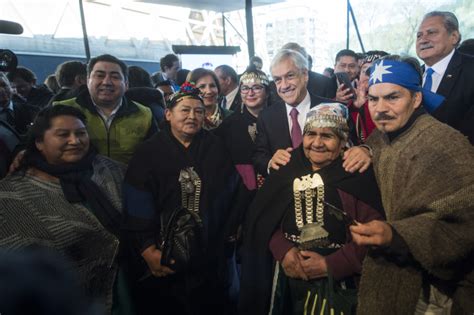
(78,186)
(266,213)
(154,170)
(236,132)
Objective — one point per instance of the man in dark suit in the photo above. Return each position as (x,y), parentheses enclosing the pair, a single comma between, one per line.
(280,126)
(72,78)
(229,83)
(447,71)
(276,129)
(23,80)
(318,84)
(170,66)
(14,112)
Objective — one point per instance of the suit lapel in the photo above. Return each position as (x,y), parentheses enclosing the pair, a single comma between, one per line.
(280,126)
(236,104)
(450,76)
(316,100)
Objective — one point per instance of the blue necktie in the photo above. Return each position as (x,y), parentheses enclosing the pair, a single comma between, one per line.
(428,79)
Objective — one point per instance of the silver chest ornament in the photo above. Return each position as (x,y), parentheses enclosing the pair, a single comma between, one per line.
(190,189)
(306,188)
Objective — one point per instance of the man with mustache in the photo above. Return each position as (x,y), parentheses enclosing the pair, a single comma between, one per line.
(447,71)
(116,124)
(279,127)
(421,260)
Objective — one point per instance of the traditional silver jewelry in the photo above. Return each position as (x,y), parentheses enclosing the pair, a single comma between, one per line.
(190,189)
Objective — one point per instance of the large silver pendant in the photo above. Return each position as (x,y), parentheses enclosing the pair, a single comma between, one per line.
(312,232)
(187,178)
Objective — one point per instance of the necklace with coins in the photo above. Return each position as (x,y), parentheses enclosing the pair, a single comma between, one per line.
(312,232)
(190,189)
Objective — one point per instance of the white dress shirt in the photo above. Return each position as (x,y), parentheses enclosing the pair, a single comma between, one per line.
(302,108)
(439,69)
(108,119)
(229,98)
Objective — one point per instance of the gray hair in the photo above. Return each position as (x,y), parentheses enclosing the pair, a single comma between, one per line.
(450,21)
(298,59)
(295,47)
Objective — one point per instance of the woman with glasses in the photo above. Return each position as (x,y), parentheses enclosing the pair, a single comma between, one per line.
(208,83)
(181,167)
(239,131)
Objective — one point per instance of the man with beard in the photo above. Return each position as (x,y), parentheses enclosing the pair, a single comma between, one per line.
(421,260)
(116,124)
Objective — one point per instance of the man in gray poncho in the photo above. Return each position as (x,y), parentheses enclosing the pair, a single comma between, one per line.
(421,259)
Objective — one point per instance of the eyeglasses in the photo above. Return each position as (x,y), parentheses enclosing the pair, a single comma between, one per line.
(246,89)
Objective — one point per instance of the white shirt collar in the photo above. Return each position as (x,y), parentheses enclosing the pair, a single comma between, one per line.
(108,119)
(441,66)
(306,102)
(231,96)
(439,69)
(303,109)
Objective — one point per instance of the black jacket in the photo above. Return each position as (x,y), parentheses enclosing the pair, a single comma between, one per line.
(273,133)
(457,86)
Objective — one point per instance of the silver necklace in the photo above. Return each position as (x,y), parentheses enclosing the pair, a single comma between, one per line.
(190,189)
(306,188)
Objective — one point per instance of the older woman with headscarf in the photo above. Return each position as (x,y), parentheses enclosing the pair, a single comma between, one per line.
(299,219)
(180,176)
(67,198)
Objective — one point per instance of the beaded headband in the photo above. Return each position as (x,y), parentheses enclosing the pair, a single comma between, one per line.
(254,77)
(187,90)
(327,115)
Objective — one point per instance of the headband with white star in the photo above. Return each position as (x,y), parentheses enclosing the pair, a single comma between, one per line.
(405,75)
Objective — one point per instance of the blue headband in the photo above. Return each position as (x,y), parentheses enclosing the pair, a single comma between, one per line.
(403,74)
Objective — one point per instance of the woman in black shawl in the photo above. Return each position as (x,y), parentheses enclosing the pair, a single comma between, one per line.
(239,130)
(183,166)
(296,220)
(66,197)
(238,133)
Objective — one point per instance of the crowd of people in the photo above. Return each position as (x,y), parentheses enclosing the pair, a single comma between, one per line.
(213,192)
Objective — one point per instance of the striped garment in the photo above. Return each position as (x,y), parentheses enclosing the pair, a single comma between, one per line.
(35,212)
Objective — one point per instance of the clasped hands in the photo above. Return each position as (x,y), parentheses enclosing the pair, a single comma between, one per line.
(304,265)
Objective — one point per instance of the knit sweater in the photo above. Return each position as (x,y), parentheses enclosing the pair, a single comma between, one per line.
(35,212)
(426,178)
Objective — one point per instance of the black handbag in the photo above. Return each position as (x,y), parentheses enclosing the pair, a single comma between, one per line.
(182,245)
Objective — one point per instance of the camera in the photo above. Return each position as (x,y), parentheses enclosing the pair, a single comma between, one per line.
(8,59)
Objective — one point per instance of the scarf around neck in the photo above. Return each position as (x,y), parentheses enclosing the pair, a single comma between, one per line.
(78,187)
